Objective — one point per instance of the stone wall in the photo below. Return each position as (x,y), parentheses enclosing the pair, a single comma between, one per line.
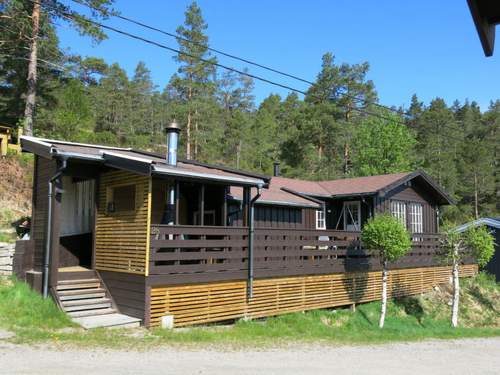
(6,258)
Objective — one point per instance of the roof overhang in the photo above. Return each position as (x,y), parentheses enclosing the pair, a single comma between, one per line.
(486,15)
(112,157)
(442,197)
(236,181)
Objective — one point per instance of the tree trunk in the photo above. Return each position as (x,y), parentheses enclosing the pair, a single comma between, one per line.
(29,109)
(238,154)
(384,295)
(476,204)
(456,292)
(188,137)
(346,158)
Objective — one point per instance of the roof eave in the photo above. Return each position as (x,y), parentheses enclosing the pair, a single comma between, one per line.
(445,197)
(236,181)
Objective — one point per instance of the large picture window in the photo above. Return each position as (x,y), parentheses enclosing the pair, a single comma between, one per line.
(320,219)
(398,210)
(416,218)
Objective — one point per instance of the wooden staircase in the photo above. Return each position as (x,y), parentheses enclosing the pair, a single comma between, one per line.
(85,298)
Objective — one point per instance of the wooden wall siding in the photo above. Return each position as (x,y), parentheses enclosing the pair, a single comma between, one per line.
(493,265)
(123,237)
(128,292)
(269,216)
(205,303)
(44,170)
(411,194)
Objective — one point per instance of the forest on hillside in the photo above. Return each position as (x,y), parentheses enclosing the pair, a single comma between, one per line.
(337,129)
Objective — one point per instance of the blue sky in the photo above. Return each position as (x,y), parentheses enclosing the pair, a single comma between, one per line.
(425,47)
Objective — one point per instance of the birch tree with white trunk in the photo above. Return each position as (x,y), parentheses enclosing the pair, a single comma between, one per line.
(475,244)
(387,236)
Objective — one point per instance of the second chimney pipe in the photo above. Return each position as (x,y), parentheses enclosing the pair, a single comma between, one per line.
(172,131)
(276,168)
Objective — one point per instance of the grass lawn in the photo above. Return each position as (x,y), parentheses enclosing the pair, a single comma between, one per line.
(34,320)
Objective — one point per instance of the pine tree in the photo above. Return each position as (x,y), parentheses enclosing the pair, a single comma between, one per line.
(55,10)
(195,80)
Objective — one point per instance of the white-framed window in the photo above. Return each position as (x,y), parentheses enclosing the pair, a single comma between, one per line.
(416,218)
(352,216)
(320,219)
(398,210)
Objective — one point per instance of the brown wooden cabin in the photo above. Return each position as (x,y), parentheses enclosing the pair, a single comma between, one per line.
(129,232)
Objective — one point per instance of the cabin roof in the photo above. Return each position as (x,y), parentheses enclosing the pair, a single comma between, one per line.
(140,162)
(275,196)
(279,190)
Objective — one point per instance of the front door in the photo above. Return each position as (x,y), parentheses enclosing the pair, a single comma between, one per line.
(352,216)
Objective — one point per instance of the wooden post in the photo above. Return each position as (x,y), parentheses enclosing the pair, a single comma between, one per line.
(246,203)
(177,201)
(94,229)
(201,203)
(224,207)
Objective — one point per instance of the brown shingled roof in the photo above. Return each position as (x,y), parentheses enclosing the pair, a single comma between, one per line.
(361,185)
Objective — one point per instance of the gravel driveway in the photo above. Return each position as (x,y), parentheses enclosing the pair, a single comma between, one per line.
(474,356)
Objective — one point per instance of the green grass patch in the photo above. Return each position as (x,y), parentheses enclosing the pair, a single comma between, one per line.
(409,319)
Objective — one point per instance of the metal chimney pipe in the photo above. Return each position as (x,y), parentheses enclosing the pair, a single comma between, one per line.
(172,130)
(276,165)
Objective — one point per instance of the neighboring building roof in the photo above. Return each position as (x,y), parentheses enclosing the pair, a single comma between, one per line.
(138,161)
(493,222)
(486,15)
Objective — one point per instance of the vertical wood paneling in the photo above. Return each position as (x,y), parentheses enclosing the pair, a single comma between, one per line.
(44,170)
(122,237)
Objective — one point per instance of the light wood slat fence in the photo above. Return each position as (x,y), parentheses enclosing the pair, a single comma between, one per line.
(211,302)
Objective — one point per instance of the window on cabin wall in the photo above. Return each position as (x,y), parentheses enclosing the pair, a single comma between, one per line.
(320,219)
(398,210)
(121,198)
(416,218)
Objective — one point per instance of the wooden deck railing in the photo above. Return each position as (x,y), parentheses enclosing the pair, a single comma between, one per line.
(183,254)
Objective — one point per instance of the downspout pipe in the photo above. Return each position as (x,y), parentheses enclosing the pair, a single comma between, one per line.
(48,239)
(251,232)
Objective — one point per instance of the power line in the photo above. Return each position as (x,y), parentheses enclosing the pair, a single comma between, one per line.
(232,56)
(250,62)
(222,66)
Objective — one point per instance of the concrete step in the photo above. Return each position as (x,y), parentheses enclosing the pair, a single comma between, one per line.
(85,302)
(89,294)
(88,313)
(108,321)
(84,307)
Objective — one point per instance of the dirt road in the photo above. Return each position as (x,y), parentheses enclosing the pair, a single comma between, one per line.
(477,356)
